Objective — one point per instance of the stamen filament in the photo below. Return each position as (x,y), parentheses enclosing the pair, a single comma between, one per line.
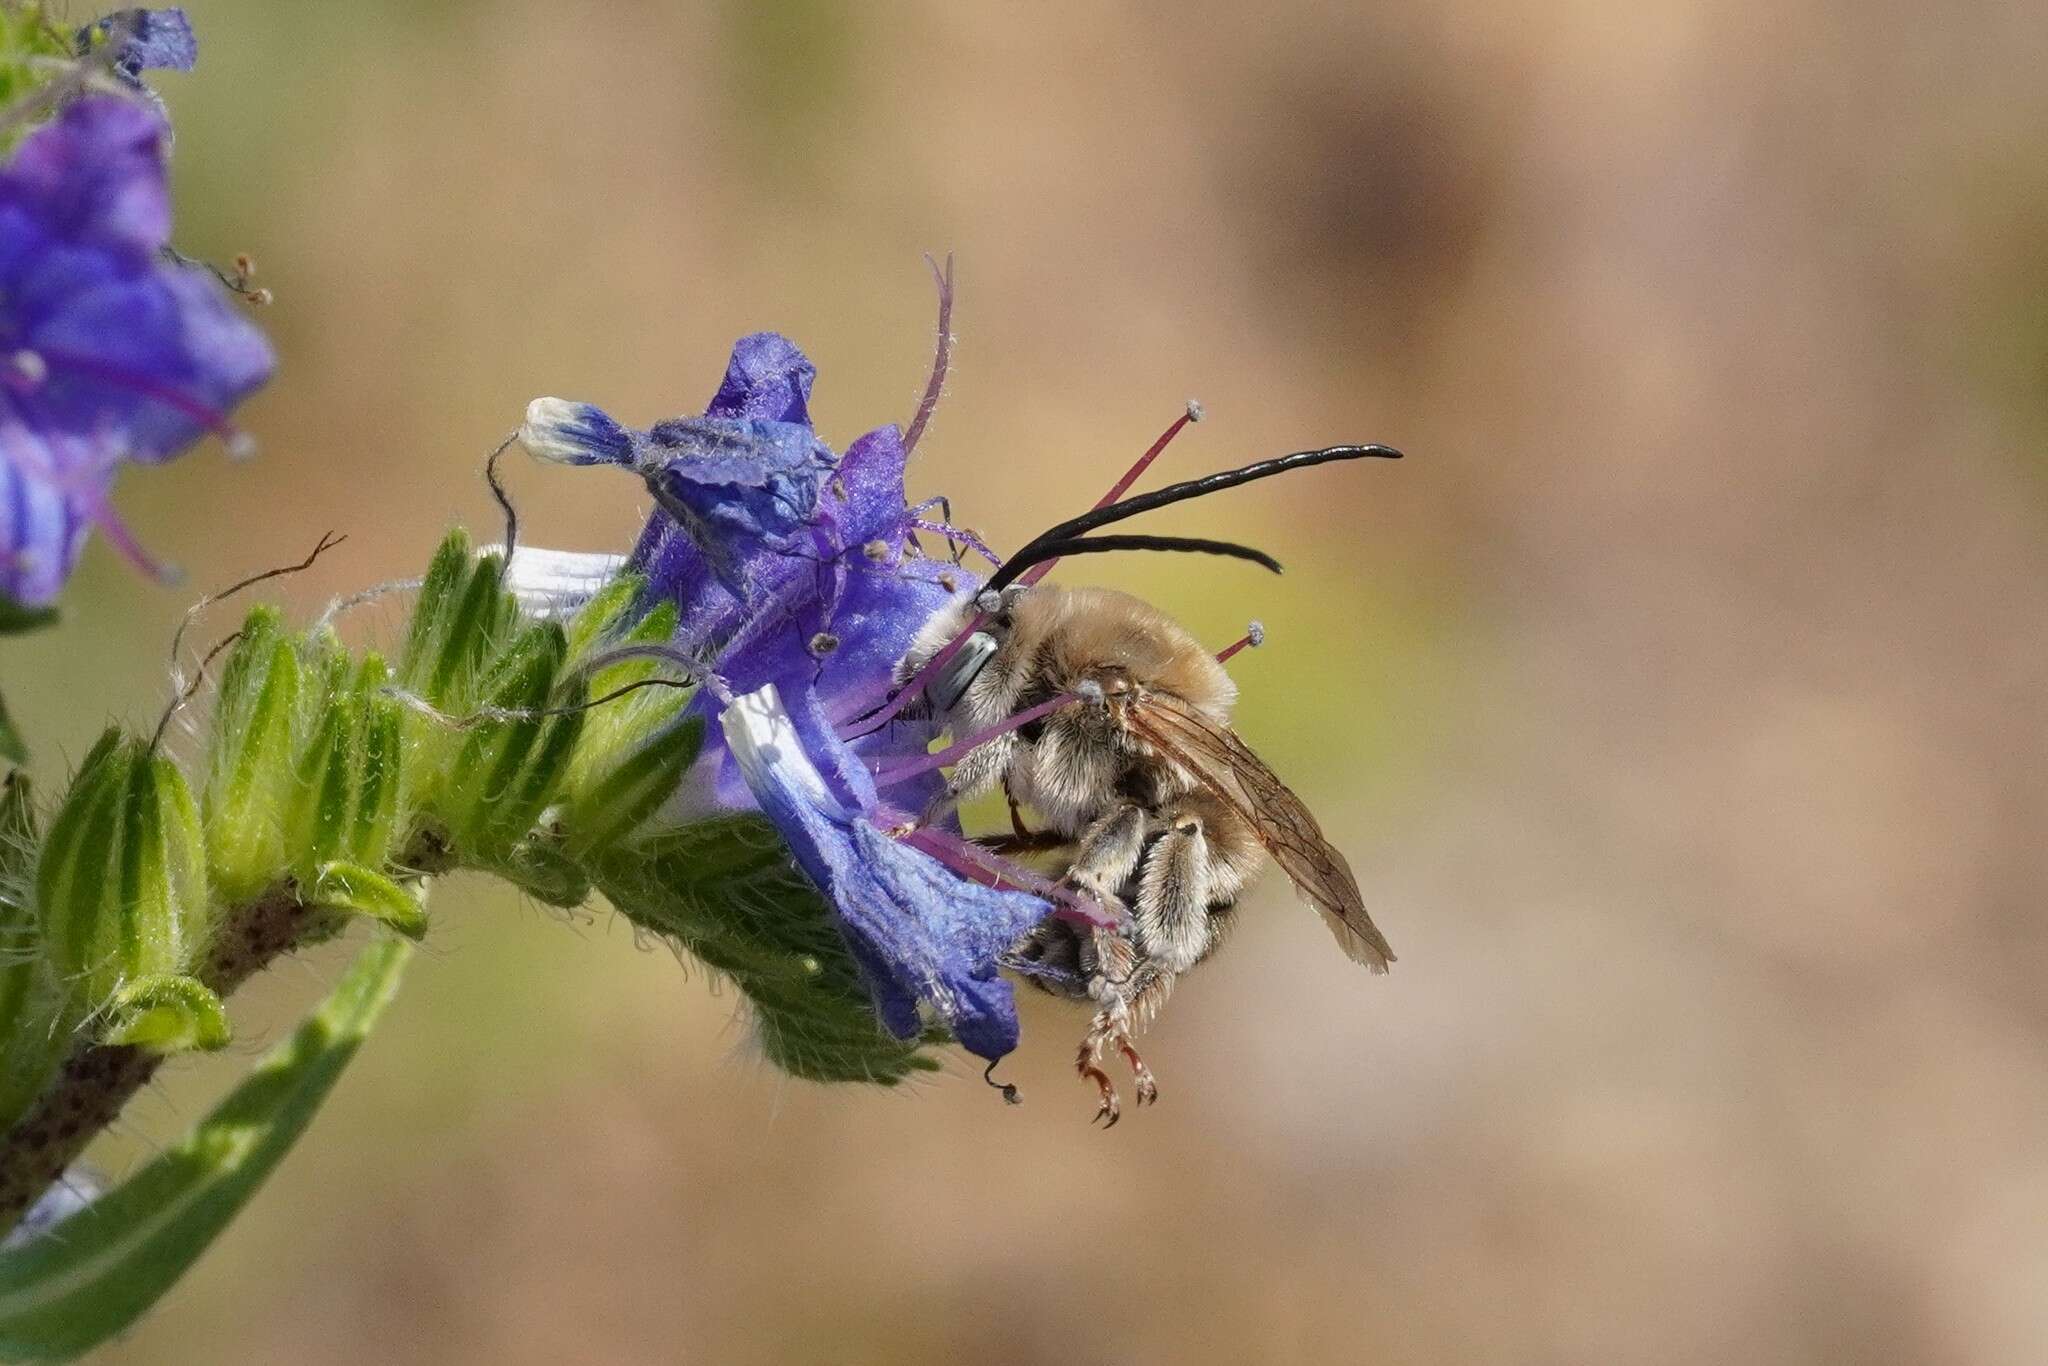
(204,414)
(953,753)
(971,861)
(1123,485)
(1253,638)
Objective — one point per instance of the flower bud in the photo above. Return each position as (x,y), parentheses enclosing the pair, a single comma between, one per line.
(463,616)
(121,885)
(348,780)
(610,613)
(512,762)
(635,748)
(320,815)
(574,434)
(249,779)
(446,577)
(379,766)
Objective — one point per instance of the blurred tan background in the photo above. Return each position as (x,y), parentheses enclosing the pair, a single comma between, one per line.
(1677,700)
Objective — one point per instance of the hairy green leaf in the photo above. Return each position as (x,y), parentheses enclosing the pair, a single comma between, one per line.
(351,887)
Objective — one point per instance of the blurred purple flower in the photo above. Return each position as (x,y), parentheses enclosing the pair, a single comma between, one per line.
(796,576)
(108,352)
(148,39)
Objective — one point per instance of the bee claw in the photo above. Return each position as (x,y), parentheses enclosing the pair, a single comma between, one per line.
(1111,1110)
(1148,1086)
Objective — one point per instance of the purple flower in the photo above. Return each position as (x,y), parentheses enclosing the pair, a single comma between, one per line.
(796,575)
(108,353)
(784,562)
(922,934)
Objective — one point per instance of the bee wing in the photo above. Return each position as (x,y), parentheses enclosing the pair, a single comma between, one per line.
(1214,756)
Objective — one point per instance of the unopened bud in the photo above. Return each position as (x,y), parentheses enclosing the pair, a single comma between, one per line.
(509,766)
(121,886)
(574,434)
(250,776)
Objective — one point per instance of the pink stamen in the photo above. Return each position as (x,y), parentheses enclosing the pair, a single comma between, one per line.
(953,753)
(102,515)
(1254,637)
(914,685)
(1123,485)
(207,416)
(977,864)
(79,486)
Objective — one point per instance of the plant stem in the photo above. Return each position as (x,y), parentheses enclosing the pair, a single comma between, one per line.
(97,1080)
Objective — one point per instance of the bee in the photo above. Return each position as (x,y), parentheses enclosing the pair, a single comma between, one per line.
(1111,722)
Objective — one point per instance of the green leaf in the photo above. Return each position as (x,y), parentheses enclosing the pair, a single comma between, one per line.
(12,748)
(15,618)
(726,890)
(351,887)
(169,1014)
(64,1294)
(614,803)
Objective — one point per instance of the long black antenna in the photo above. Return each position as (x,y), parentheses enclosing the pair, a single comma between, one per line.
(1054,550)
(1036,550)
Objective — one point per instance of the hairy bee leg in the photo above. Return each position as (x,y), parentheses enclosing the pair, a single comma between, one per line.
(1108,962)
(1149,988)
(975,774)
(1174,894)
(1107,852)
(1049,958)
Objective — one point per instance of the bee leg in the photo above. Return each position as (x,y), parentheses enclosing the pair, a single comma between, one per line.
(1150,985)
(975,774)
(1049,958)
(1108,962)
(1174,895)
(1107,852)
(1148,1085)
(1017,826)
(1089,1065)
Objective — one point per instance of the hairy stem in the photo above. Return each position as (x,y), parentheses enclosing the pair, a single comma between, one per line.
(97,1080)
